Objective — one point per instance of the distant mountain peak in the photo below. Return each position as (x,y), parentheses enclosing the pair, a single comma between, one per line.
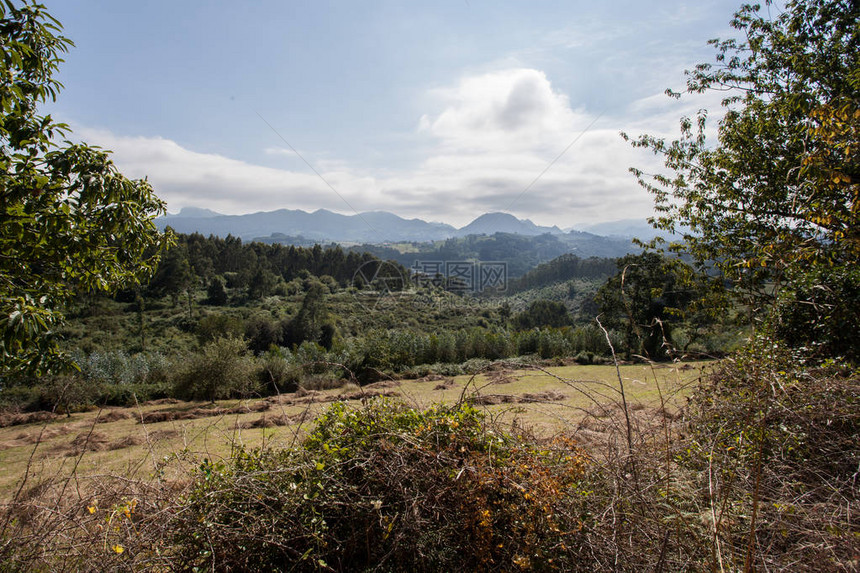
(498,222)
(496,215)
(196,213)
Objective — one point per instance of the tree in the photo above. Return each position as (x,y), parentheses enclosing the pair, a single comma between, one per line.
(262,334)
(216,293)
(69,221)
(776,201)
(173,275)
(261,284)
(308,320)
(542,313)
(649,296)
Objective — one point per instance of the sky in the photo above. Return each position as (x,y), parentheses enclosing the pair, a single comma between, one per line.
(439,110)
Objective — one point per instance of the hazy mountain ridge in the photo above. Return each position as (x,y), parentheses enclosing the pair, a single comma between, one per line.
(631,228)
(321,225)
(374,227)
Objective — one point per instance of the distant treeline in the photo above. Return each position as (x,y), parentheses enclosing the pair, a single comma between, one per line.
(564,268)
(258,267)
(519,252)
(214,255)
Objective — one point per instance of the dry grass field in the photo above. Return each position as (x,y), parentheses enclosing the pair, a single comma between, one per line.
(546,470)
(163,439)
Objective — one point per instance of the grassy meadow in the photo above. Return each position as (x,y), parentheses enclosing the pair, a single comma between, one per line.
(163,439)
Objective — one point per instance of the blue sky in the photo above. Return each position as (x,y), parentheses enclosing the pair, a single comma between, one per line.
(441,110)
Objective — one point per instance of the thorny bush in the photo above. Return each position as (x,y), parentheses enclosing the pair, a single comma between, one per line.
(386,487)
(776,443)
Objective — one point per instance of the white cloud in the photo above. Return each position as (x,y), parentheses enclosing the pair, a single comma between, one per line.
(183,177)
(492,134)
(498,131)
(278,151)
(509,109)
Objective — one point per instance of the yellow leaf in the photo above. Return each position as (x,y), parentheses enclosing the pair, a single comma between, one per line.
(118,549)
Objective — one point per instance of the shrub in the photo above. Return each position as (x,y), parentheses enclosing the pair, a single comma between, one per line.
(475,365)
(212,326)
(325,381)
(552,344)
(584,358)
(543,313)
(118,368)
(220,371)
(262,334)
(131,394)
(277,374)
(65,393)
(389,488)
(778,441)
(19,397)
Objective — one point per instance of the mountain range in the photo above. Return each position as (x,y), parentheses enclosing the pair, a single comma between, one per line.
(375,227)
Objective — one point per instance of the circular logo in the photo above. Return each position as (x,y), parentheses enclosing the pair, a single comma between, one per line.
(380,284)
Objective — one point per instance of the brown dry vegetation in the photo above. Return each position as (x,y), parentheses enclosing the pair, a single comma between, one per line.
(672,471)
(550,400)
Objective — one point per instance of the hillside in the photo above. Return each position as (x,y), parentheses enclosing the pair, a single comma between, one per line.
(521,253)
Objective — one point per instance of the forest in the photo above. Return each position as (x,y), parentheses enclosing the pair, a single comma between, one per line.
(281,311)
(491,402)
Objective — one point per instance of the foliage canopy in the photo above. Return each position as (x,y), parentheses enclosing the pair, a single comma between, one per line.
(69,221)
(778,196)
(650,296)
